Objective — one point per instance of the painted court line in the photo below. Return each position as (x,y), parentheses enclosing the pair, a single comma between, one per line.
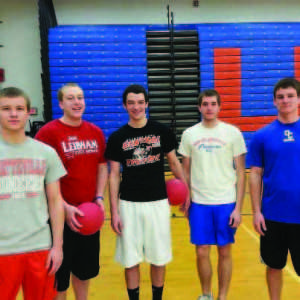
(289,270)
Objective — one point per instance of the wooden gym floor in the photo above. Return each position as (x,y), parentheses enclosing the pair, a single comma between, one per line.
(248,280)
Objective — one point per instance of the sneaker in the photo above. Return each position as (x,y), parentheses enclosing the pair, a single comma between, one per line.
(205,297)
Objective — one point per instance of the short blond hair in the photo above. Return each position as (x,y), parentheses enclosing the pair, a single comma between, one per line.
(60,92)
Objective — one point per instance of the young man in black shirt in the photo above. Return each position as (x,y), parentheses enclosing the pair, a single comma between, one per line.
(140,213)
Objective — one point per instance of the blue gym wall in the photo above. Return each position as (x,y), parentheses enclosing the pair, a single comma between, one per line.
(103,60)
(243,61)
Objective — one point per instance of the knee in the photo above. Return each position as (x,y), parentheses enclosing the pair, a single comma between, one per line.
(224,252)
(132,269)
(273,275)
(273,271)
(202,251)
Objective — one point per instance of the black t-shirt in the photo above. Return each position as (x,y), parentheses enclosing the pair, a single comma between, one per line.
(141,154)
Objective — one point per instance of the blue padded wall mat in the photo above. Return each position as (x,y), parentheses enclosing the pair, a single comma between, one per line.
(259,54)
(103,60)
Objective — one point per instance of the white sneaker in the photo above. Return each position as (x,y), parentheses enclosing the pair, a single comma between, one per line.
(205,297)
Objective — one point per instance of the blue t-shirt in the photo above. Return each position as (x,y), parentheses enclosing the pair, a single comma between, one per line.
(276,149)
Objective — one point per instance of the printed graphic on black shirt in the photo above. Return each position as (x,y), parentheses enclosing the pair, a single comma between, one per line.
(142,150)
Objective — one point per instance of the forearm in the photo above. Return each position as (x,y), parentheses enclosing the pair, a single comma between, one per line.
(102,179)
(57,218)
(175,166)
(187,169)
(177,171)
(255,191)
(240,190)
(114,184)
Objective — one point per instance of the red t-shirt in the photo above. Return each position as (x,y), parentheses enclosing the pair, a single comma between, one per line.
(81,150)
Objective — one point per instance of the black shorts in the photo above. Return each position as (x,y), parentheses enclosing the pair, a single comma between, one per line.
(81,257)
(277,241)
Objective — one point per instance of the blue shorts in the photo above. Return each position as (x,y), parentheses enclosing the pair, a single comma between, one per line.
(209,224)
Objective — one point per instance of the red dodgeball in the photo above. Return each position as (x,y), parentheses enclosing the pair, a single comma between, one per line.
(92,220)
(177,191)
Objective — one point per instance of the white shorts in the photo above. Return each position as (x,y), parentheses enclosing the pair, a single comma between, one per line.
(146,233)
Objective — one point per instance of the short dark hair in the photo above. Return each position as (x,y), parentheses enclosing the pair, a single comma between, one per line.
(209,93)
(60,92)
(13,92)
(136,89)
(286,83)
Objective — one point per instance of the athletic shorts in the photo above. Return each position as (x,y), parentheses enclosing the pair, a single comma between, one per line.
(29,271)
(146,234)
(81,257)
(277,241)
(209,224)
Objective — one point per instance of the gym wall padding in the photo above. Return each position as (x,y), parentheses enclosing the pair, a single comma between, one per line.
(103,60)
(242,61)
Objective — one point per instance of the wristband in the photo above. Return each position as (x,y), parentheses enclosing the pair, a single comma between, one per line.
(99,197)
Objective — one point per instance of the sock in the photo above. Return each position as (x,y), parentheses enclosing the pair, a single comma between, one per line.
(157,292)
(134,294)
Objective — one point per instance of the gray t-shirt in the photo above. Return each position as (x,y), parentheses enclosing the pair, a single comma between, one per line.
(24,170)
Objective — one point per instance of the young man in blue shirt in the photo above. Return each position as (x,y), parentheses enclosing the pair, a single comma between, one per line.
(275,162)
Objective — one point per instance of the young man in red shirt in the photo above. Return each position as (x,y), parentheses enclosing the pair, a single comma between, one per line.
(81,146)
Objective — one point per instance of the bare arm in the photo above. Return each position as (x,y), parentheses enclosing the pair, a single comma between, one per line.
(56,212)
(186,165)
(175,165)
(114,186)
(235,218)
(178,172)
(102,177)
(255,183)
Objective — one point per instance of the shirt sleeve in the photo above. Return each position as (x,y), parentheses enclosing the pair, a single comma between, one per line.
(169,138)
(185,147)
(239,146)
(44,136)
(102,145)
(113,149)
(55,168)
(255,156)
